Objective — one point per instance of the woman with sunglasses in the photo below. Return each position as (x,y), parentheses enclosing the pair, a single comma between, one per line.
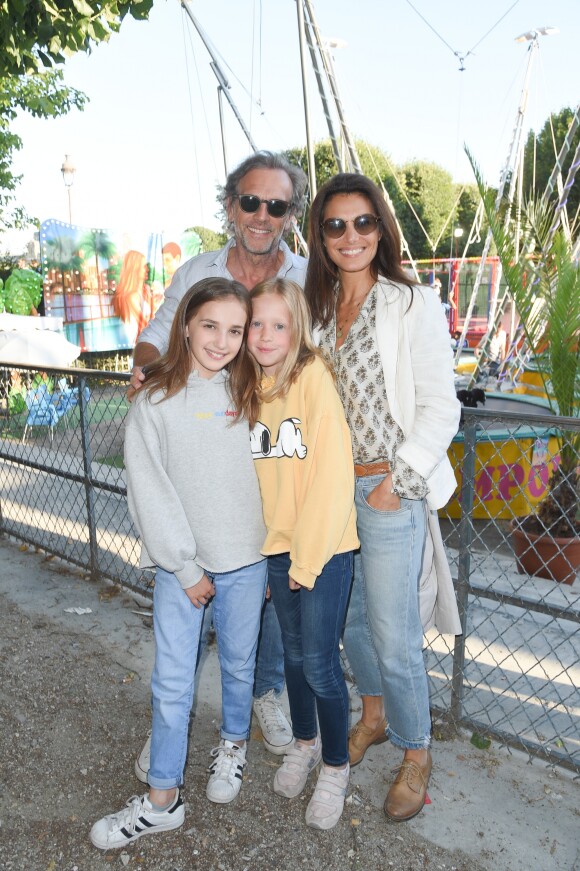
(389,344)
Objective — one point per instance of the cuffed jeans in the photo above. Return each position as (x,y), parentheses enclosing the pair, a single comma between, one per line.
(383,636)
(311,622)
(238,600)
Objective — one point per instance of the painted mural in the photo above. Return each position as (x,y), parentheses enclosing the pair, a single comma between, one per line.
(107,285)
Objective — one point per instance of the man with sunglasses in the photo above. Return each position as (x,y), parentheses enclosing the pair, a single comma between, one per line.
(260,198)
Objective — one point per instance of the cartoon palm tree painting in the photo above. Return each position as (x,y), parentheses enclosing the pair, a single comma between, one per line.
(98,245)
(61,255)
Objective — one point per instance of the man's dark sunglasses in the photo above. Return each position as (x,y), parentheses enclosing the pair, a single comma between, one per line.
(334,228)
(251,203)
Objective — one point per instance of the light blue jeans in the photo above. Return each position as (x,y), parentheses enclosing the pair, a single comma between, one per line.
(383,636)
(270,654)
(238,600)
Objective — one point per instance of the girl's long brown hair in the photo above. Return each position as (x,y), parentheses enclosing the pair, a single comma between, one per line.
(322,273)
(169,374)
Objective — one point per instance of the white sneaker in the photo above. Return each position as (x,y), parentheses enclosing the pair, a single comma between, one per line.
(291,777)
(143,761)
(136,819)
(225,771)
(325,807)
(276,729)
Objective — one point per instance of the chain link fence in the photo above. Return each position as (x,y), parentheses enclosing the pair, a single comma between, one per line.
(514,674)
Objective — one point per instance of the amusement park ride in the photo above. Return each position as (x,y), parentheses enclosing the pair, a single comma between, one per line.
(478,301)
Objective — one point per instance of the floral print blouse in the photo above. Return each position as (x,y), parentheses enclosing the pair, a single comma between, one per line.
(361,386)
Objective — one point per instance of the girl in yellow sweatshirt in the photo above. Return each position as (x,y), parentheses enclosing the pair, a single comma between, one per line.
(302,448)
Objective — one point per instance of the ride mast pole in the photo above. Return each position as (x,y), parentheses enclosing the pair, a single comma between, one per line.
(510,165)
(223,83)
(309,146)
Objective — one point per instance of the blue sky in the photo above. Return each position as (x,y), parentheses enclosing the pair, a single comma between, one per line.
(148,150)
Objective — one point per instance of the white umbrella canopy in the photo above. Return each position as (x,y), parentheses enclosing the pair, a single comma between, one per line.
(36,348)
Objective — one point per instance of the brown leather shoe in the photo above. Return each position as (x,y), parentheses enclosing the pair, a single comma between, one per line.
(406,796)
(361,737)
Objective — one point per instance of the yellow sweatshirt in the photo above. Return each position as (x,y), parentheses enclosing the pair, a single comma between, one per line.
(303,453)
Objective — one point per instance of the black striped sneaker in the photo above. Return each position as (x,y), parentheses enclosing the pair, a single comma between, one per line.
(226,772)
(136,819)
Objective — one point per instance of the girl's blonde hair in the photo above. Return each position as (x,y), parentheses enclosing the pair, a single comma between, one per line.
(302,348)
(169,373)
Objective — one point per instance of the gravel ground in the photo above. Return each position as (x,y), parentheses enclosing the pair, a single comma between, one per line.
(74,710)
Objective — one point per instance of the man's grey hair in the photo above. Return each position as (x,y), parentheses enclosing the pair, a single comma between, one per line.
(266,160)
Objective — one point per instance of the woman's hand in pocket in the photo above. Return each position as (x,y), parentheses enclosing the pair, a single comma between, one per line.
(381,498)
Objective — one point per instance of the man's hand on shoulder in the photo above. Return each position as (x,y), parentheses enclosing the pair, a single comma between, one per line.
(137,379)
(143,353)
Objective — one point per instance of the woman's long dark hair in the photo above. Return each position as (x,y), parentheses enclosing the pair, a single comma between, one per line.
(170,372)
(322,273)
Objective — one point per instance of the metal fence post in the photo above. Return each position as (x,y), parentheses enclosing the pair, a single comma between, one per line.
(464,563)
(87,467)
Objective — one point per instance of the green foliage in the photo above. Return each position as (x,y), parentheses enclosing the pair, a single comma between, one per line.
(464,217)
(429,188)
(544,283)
(39,33)
(482,742)
(22,292)
(210,240)
(35,34)
(324,163)
(8,262)
(375,163)
(540,157)
(43,96)
(432,193)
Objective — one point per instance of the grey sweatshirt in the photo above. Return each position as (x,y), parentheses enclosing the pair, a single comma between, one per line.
(192,487)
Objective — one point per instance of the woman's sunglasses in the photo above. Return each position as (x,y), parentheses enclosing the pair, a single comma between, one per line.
(251,203)
(334,228)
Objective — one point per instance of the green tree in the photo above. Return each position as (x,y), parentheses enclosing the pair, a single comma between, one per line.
(43,96)
(540,157)
(35,34)
(40,33)
(324,163)
(439,203)
(464,217)
(432,194)
(374,163)
(210,240)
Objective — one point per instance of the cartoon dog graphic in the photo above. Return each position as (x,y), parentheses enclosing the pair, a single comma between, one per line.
(288,443)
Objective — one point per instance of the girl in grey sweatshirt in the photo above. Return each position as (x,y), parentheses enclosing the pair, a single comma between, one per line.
(194,497)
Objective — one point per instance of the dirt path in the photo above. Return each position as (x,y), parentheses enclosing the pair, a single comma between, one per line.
(74,708)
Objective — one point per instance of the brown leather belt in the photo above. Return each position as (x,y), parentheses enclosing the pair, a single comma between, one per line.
(363,470)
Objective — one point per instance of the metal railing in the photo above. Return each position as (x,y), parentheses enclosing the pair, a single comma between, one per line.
(514,673)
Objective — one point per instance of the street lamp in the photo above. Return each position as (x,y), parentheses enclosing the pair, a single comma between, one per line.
(68,170)
(531,35)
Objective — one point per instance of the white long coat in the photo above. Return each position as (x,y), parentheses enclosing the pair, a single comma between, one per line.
(416,356)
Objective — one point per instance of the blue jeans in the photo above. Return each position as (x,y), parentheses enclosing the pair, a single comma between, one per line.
(270,655)
(311,623)
(383,636)
(238,600)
